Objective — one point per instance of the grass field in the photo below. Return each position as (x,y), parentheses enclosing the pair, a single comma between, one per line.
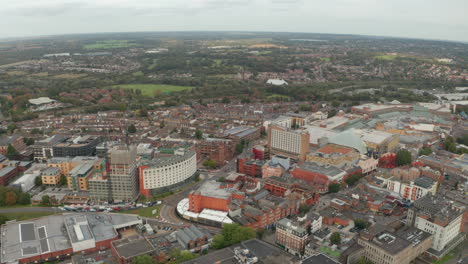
(70,76)
(16,73)
(330,252)
(151,89)
(109,44)
(145,212)
(39,74)
(138,74)
(387,57)
(26,215)
(152,66)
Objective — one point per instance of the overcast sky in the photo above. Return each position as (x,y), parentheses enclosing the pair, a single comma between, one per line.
(431,19)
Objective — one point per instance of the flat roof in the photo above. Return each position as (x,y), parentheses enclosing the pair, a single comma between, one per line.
(132,246)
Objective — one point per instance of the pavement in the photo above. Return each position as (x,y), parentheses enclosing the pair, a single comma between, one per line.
(29,209)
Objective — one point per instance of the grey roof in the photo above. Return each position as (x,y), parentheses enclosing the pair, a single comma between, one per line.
(319,259)
(29,238)
(191,233)
(349,139)
(51,171)
(4,171)
(322,169)
(424,182)
(212,189)
(168,160)
(130,247)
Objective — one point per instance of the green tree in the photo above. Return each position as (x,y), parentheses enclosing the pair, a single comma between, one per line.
(239,148)
(361,224)
(11,198)
(425,151)
(332,113)
(352,179)
(63,180)
(210,163)
(335,238)
(12,127)
(144,259)
(334,187)
(162,124)
(132,129)
(403,157)
(45,200)
(232,234)
(36,131)
(363,260)
(304,209)
(38,181)
(198,134)
(141,113)
(24,199)
(11,153)
(226,100)
(3,219)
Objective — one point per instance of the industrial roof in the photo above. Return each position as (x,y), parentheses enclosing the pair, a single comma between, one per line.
(349,138)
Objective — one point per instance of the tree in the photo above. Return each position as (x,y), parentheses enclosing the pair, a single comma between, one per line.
(352,179)
(141,113)
(45,200)
(232,234)
(363,260)
(335,103)
(334,187)
(335,238)
(63,180)
(361,224)
(425,151)
(210,163)
(226,100)
(144,259)
(239,148)
(162,124)
(11,198)
(331,113)
(11,153)
(132,129)
(38,181)
(304,209)
(403,157)
(3,219)
(24,198)
(198,134)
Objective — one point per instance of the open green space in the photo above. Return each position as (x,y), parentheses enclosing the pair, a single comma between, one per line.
(109,44)
(146,212)
(153,65)
(387,57)
(20,216)
(330,252)
(154,89)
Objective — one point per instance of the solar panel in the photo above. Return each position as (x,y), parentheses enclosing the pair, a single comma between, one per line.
(44,245)
(27,232)
(29,251)
(42,233)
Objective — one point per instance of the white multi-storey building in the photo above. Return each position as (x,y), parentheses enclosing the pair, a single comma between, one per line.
(437,216)
(288,142)
(167,171)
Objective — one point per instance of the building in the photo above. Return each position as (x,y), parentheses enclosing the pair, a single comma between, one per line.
(411,190)
(209,196)
(394,248)
(317,173)
(291,236)
(166,172)
(372,109)
(193,239)
(119,182)
(250,167)
(15,141)
(242,133)
(51,176)
(288,142)
(27,181)
(57,237)
(79,176)
(335,155)
(126,249)
(378,142)
(65,146)
(276,82)
(7,174)
(437,216)
(219,150)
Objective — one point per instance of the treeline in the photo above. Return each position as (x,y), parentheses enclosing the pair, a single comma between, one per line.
(10,196)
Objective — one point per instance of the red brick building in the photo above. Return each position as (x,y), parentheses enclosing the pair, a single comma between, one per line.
(219,150)
(250,167)
(6,174)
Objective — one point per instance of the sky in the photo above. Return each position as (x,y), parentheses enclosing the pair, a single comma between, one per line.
(429,19)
